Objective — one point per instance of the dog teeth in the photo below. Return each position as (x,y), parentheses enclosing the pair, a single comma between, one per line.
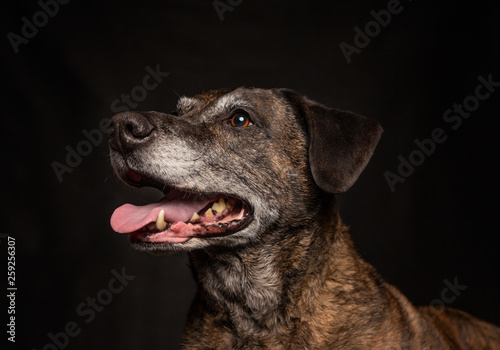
(160,220)
(209,212)
(151,226)
(219,206)
(194,217)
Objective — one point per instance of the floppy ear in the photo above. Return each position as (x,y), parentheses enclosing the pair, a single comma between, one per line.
(340,142)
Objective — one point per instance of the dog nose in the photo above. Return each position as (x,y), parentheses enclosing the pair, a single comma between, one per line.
(127,130)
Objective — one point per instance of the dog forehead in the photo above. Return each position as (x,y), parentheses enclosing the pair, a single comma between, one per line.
(201,100)
(211,103)
(208,96)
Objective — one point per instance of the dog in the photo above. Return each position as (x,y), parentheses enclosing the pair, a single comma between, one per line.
(249,177)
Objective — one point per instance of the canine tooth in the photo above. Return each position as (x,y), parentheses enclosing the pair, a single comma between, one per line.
(160,220)
(209,212)
(194,217)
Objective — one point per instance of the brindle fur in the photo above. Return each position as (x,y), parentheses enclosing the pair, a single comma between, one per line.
(292,279)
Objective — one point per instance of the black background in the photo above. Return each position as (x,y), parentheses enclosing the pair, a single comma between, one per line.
(440,224)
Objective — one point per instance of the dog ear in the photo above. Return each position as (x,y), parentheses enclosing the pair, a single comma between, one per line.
(340,142)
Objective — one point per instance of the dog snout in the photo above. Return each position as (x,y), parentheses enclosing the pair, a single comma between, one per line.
(128,130)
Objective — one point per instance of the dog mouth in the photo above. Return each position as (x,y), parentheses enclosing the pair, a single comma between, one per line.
(180,215)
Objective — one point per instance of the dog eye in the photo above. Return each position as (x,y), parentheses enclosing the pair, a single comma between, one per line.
(240,120)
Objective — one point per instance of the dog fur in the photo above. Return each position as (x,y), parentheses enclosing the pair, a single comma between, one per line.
(291,278)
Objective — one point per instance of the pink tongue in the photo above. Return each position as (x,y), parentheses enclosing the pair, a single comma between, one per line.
(130,218)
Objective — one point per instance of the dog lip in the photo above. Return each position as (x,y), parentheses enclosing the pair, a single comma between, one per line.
(134,176)
(179,242)
(143,240)
(139,179)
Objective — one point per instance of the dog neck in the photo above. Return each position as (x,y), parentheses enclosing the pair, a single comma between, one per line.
(273,285)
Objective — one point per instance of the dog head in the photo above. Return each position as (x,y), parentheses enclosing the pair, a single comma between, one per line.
(234,166)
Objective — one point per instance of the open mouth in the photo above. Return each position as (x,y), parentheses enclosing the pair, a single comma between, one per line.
(180,215)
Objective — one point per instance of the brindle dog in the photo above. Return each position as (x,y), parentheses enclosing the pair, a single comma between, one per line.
(249,177)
